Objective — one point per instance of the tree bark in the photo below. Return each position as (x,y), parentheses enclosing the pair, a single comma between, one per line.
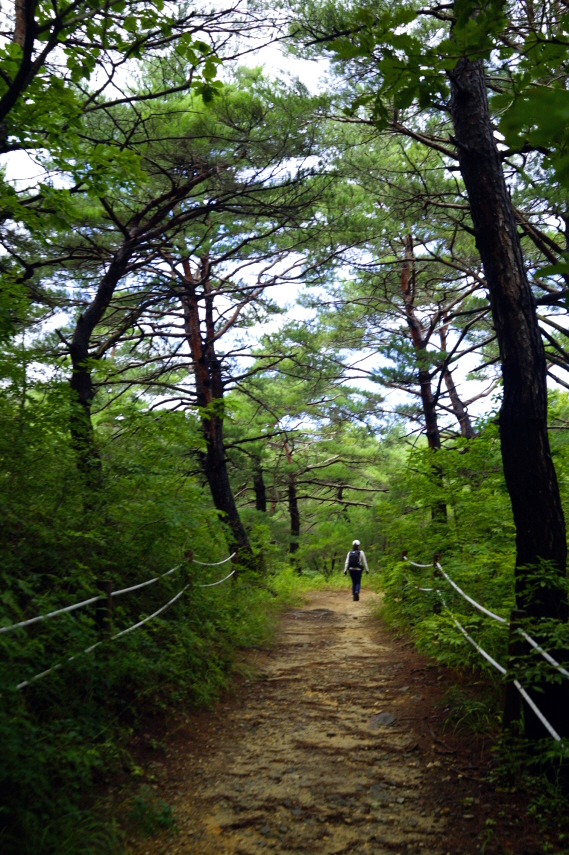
(81,426)
(24,35)
(260,490)
(438,510)
(528,467)
(294,514)
(21,21)
(458,407)
(292,504)
(209,391)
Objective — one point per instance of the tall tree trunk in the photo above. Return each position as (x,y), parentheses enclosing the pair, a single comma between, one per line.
(438,510)
(260,490)
(81,382)
(528,467)
(294,514)
(458,408)
(209,390)
(292,504)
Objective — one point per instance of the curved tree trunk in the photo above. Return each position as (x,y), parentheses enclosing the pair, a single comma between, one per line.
(458,407)
(528,467)
(209,391)
(81,426)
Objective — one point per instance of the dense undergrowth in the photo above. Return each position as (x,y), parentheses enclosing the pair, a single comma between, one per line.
(63,736)
(68,732)
(476,548)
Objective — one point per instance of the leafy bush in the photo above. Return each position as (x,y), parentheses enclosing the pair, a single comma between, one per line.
(63,733)
(150,814)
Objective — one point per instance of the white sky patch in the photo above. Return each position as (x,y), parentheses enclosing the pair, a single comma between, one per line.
(280,65)
(22,171)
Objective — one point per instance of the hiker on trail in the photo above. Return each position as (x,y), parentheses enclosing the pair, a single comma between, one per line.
(355,563)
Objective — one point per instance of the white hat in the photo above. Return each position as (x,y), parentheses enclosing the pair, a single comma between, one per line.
(356,543)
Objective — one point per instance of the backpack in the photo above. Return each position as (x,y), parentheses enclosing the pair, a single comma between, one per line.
(354,559)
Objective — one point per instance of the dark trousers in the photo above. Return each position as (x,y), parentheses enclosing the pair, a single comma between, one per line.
(356,579)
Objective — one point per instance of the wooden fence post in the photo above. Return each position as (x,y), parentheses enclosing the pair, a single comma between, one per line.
(516,647)
(104,611)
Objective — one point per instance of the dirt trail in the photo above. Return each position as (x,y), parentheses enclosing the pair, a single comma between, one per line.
(330,751)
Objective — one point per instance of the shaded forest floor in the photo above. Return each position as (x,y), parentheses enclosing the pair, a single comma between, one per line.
(337,745)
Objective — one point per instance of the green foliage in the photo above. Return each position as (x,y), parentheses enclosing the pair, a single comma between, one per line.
(479,714)
(69,730)
(150,815)
(50,105)
(538,769)
(476,548)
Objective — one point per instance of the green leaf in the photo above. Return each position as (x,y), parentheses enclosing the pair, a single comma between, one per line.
(209,70)
(405,98)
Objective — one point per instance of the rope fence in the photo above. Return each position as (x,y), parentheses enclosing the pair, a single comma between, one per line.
(153,615)
(144,584)
(108,596)
(469,599)
(49,615)
(476,646)
(217,563)
(118,593)
(213,584)
(547,656)
(500,668)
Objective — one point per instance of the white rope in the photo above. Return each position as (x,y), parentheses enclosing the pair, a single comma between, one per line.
(51,614)
(480,650)
(113,594)
(145,584)
(59,665)
(550,729)
(414,563)
(547,656)
(88,602)
(537,711)
(211,584)
(153,615)
(217,563)
(470,600)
